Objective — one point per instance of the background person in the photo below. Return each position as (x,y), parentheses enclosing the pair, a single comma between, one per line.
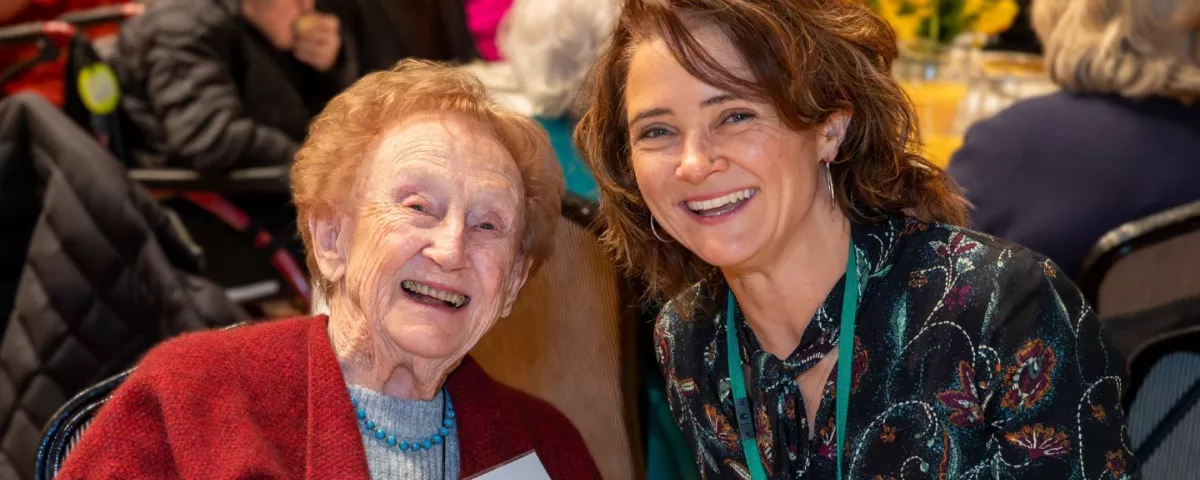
(1118,143)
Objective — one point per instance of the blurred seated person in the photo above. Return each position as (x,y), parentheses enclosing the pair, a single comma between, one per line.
(547,48)
(45,79)
(387,31)
(424,209)
(214,85)
(1119,142)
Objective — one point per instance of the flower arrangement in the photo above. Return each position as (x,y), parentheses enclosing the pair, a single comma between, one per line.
(944,21)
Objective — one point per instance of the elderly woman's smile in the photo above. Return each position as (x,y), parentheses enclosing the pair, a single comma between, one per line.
(433,295)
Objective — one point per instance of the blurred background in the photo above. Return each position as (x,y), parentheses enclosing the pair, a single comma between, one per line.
(144,150)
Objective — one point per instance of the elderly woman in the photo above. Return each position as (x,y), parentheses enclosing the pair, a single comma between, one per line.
(424,209)
(754,159)
(1118,143)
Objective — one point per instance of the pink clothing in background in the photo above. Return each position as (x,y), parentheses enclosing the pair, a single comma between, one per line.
(483,19)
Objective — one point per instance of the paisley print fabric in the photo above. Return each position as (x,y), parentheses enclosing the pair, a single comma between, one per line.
(973,358)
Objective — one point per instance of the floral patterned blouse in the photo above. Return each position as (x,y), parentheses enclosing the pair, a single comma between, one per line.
(973,358)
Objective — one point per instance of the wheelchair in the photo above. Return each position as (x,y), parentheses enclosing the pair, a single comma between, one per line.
(243,214)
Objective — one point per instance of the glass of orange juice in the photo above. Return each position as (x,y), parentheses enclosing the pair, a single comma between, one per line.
(936,78)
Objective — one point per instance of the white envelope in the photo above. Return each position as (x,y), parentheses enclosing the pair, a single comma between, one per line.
(524,467)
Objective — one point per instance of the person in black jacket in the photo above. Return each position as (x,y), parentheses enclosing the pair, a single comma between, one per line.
(1121,142)
(214,85)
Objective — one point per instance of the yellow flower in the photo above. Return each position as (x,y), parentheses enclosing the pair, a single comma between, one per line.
(907,24)
(972,7)
(920,8)
(996,18)
(906,27)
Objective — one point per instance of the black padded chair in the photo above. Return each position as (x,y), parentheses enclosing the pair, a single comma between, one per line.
(68,424)
(1142,277)
(1164,405)
(94,273)
(1145,263)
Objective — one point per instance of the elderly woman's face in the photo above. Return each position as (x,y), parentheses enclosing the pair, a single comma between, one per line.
(721,173)
(434,258)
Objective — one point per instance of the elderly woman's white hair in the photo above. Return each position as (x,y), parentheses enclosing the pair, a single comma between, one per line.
(548,47)
(1135,48)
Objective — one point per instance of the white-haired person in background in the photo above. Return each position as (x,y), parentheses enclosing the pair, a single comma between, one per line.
(546,49)
(1119,142)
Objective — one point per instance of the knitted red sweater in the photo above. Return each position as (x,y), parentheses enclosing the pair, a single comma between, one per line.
(269,401)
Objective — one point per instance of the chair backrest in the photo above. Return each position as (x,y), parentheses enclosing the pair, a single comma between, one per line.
(1164,405)
(1145,264)
(570,340)
(67,425)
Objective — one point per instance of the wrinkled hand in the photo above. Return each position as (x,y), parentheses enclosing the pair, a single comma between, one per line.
(318,41)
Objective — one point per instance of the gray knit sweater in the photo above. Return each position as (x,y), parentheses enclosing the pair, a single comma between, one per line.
(406,420)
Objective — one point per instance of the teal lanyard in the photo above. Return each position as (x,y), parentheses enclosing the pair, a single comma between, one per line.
(844,362)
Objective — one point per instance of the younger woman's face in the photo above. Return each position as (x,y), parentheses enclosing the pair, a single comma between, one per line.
(721,173)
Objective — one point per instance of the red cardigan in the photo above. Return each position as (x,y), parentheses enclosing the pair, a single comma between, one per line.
(269,401)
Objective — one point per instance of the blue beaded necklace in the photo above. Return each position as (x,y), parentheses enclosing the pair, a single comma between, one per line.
(414,445)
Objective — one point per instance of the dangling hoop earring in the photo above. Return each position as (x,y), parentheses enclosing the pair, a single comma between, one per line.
(829,184)
(656,231)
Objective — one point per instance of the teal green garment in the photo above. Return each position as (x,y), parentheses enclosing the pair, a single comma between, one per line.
(667,454)
(579,178)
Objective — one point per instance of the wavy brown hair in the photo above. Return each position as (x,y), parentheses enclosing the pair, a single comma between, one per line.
(809,59)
